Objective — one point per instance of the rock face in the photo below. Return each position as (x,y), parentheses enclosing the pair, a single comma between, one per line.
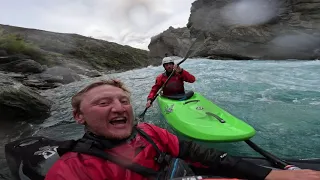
(20,63)
(247,29)
(18,102)
(35,75)
(173,42)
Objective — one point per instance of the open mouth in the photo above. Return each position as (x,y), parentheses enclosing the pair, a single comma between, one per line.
(117,121)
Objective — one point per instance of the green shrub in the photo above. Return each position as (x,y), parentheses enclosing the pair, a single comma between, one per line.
(15,44)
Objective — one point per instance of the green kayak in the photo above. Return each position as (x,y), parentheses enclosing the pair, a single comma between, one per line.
(196,117)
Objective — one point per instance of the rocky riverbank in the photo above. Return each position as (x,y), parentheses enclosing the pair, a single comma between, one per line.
(276,30)
(33,60)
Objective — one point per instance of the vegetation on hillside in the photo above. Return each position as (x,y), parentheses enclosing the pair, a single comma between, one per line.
(15,44)
(111,55)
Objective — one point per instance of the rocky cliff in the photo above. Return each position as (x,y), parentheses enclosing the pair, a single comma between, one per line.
(247,29)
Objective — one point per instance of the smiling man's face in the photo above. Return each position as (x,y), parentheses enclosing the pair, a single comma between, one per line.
(106,110)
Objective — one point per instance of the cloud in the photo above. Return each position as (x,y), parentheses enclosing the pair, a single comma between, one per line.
(127,22)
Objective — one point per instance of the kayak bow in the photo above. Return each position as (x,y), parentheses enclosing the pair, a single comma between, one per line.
(198,118)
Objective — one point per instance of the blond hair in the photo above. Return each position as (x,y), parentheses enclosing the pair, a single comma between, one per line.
(77,98)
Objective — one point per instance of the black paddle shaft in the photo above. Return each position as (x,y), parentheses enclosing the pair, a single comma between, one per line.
(275,160)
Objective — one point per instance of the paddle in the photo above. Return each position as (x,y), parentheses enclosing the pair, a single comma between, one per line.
(141,116)
(272,158)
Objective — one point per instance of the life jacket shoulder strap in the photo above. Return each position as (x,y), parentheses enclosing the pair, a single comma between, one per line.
(163,158)
(122,161)
(66,146)
(91,147)
(88,147)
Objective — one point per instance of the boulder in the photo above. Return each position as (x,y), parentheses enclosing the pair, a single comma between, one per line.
(59,74)
(18,102)
(20,64)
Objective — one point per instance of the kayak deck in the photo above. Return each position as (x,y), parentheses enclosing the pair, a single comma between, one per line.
(198,118)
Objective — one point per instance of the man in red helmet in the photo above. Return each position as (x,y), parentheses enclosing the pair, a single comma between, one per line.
(175,85)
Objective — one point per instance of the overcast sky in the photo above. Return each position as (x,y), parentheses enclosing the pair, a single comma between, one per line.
(130,22)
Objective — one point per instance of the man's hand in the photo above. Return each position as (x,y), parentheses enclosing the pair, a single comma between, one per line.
(177,68)
(148,104)
(304,174)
